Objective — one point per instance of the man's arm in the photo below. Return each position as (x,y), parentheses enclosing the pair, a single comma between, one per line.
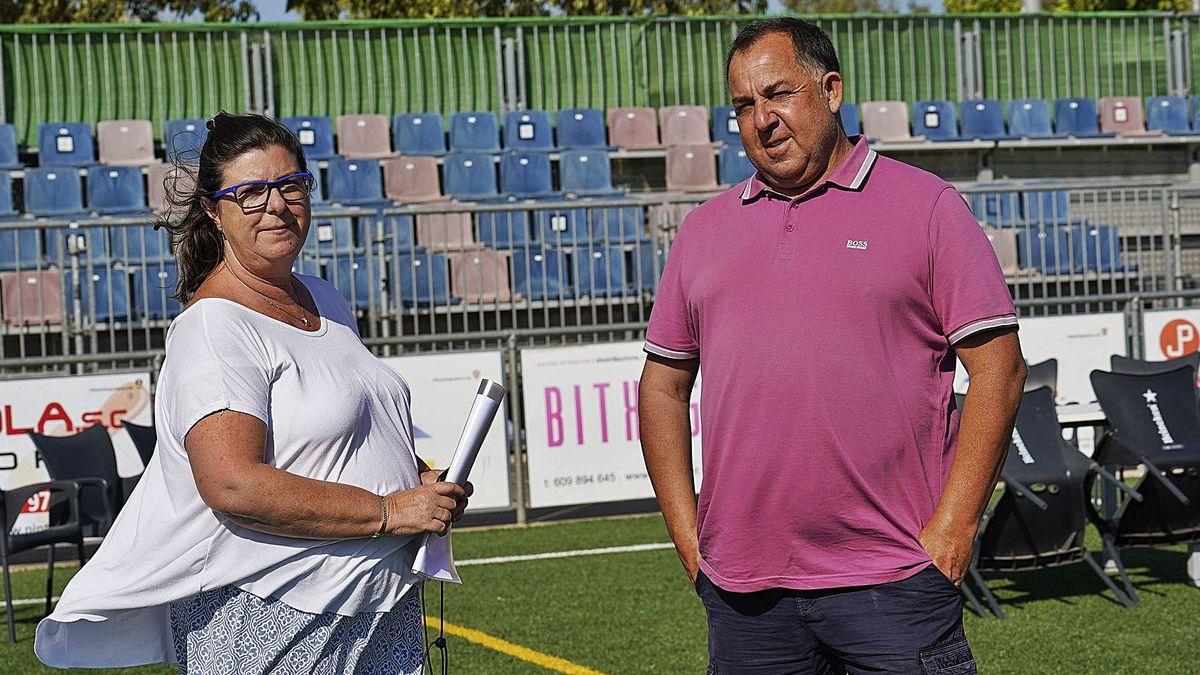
(997,373)
(664,397)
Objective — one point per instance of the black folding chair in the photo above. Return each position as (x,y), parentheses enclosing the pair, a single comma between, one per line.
(1127,366)
(63,508)
(144,439)
(1153,422)
(1039,520)
(88,459)
(1044,374)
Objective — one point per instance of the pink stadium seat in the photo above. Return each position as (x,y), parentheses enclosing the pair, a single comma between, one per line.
(480,276)
(683,124)
(1004,242)
(412,180)
(633,128)
(162,180)
(691,168)
(1124,116)
(126,142)
(364,136)
(886,121)
(442,231)
(32,297)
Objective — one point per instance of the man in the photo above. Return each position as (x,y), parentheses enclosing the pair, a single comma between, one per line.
(826,300)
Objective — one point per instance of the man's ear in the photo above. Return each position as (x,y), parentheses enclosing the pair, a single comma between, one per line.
(831,89)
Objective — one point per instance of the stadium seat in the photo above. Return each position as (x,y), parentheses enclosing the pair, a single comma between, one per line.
(20,249)
(356,280)
(999,206)
(126,142)
(65,144)
(137,244)
(354,182)
(885,121)
(32,297)
(1004,243)
(163,183)
(725,126)
(184,139)
(419,279)
(442,231)
(734,165)
(982,119)
(691,168)
(649,259)
(6,195)
(1029,118)
(528,130)
(1168,114)
(153,286)
(526,174)
(1045,207)
(581,129)
(53,192)
(935,120)
(585,172)
(599,271)
(329,236)
(1101,248)
(103,295)
(318,199)
(364,136)
(540,274)
(474,132)
(1047,249)
(9,156)
(562,226)
(469,176)
(683,124)
(851,122)
(615,224)
(315,134)
(89,244)
(480,275)
(396,232)
(115,189)
(412,180)
(419,134)
(502,229)
(1123,116)
(633,128)
(1077,117)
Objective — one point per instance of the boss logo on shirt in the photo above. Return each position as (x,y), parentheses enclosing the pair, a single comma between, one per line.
(859,244)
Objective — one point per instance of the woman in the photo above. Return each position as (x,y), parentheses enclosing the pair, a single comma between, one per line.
(275,528)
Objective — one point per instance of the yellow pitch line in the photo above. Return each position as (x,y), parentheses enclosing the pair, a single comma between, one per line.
(514,650)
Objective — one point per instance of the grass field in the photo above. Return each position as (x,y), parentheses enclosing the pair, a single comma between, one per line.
(634,612)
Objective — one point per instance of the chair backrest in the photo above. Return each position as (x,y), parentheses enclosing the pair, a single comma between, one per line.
(885,120)
(144,439)
(419,134)
(502,229)
(9,157)
(126,142)
(525,173)
(1042,374)
(153,286)
(419,279)
(982,119)
(1000,205)
(1076,117)
(1150,416)
(139,244)
(475,131)
(20,248)
(1029,118)
(115,189)
(469,175)
(1101,247)
(104,293)
(164,183)
(1046,207)
(528,130)
(1048,249)
(935,120)
(355,279)
(1168,114)
(441,231)
(364,136)
(734,166)
(328,236)
(650,257)
(540,274)
(32,298)
(480,275)
(563,226)
(184,139)
(65,144)
(1004,243)
(691,167)
(87,454)
(1122,115)
(1125,365)
(633,128)
(615,224)
(412,179)
(6,196)
(683,124)
(583,172)
(354,181)
(315,135)
(851,121)
(599,271)
(725,125)
(580,128)
(51,191)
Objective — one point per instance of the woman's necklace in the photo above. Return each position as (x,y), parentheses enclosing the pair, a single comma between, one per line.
(302,319)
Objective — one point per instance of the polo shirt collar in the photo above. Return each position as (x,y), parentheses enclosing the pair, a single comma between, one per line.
(849,174)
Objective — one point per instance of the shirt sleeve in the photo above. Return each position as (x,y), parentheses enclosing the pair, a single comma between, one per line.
(672,330)
(967,285)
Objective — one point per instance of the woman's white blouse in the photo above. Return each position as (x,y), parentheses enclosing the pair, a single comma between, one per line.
(333,412)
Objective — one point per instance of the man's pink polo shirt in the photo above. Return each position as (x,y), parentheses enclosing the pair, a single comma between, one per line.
(824,325)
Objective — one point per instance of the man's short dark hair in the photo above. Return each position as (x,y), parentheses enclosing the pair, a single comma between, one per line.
(813,47)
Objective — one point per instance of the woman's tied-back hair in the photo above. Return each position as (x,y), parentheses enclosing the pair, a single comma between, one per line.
(197,243)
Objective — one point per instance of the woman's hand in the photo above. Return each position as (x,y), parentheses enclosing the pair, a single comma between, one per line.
(432,507)
(431,476)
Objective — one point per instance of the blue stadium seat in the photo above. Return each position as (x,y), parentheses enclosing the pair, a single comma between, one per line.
(581,129)
(475,131)
(1049,250)
(615,224)
(115,189)
(526,173)
(53,192)
(6,195)
(9,157)
(528,130)
(397,234)
(328,236)
(1000,206)
(419,134)
(420,279)
(733,165)
(1101,247)
(649,260)
(599,271)
(1029,118)
(139,244)
(725,126)
(153,286)
(562,226)
(315,134)
(20,249)
(90,244)
(1045,207)
(982,119)
(935,120)
(1168,114)
(1077,117)
(586,172)
(354,182)
(502,229)
(469,176)
(317,199)
(184,138)
(66,144)
(355,278)
(851,120)
(540,274)
(103,294)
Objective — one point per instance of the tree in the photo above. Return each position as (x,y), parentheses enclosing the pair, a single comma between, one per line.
(113,11)
(394,9)
(841,6)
